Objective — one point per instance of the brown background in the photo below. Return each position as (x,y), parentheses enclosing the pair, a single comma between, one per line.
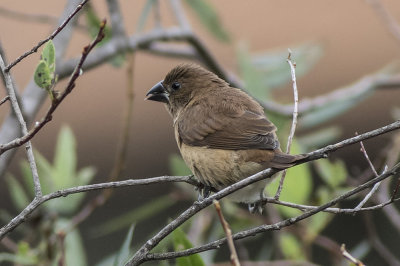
(355,42)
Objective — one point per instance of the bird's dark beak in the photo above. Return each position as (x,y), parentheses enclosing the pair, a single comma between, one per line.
(158,93)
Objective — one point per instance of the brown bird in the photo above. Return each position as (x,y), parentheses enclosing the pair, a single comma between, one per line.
(222,133)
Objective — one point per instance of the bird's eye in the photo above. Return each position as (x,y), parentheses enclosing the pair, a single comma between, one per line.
(175,86)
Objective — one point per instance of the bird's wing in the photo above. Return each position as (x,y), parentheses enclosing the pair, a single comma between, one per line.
(233,129)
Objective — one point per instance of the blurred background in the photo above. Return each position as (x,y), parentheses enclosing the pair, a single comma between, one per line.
(335,44)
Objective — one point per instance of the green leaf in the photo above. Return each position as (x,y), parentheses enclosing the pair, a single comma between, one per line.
(178,166)
(43,76)
(144,15)
(297,186)
(75,253)
(17,259)
(209,17)
(27,177)
(275,70)
(333,173)
(85,175)
(291,247)
(93,21)
(65,159)
(49,56)
(146,211)
(319,137)
(252,78)
(329,111)
(17,193)
(181,243)
(45,170)
(123,254)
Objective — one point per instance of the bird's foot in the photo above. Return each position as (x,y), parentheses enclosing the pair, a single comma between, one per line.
(258,206)
(204,192)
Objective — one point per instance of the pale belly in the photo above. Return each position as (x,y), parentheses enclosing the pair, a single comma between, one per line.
(221,168)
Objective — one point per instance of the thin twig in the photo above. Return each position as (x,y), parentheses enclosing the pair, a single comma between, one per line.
(386,17)
(17,110)
(54,34)
(228,232)
(376,186)
(349,257)
(117,22)
(157,14)
(396,189)
(294,120)
(33,97)
(4,100)
(38,18)
(27,136)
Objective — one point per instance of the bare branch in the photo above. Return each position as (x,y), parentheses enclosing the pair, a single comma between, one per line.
(376,186)
(4,100)
(139,258)
(74,190)
(386,17)
(17,110)
(294,119)
(349,257)
(142,253)
(27,136)
(228,232)
(32,96)
(54,34)
(117,23)
(197,206)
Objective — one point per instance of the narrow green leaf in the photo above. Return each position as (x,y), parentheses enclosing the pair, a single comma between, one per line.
(18,196)
(333,173)
(42,76)
(275,69)
(123,254)
(85,175)
(75,253)
(49,56)
(27,177)
(144,15)
(209,17)
(144,212)
(17,259)
(65,159)
(291,247)
(320,137)
(181,242)
(251,76)
(178,166)
(330,111)
(45,170)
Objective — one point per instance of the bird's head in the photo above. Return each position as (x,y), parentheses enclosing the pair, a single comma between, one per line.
(183,83)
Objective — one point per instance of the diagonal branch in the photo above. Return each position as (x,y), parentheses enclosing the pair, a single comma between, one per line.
(54,34)
(197,206)
(27,136)
(141,255)
(264,228)
(17,110)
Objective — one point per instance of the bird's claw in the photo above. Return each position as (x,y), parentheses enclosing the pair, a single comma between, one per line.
(204,192)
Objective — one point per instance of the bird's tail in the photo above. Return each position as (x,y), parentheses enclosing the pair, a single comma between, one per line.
(284,160)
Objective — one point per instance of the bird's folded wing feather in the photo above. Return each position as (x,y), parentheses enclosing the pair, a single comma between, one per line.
(230,129)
